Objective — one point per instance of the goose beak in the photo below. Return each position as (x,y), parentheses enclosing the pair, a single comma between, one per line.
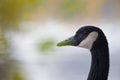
(68,42)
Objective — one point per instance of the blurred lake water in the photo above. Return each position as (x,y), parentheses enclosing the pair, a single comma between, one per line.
(65,63)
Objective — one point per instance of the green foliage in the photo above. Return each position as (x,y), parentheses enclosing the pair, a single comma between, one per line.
(3,44)
(46,45)
(18,76)
(70,8)
(11,11)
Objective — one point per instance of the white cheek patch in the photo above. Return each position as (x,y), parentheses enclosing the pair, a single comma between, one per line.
(89,40)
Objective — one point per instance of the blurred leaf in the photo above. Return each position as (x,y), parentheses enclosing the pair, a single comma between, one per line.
(69,8)
(18,75)
(11,11)
(3,44)
(46,45)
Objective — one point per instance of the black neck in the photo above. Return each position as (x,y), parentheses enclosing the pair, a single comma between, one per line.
(100,64)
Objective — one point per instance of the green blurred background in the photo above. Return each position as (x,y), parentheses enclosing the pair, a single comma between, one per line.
(30,29)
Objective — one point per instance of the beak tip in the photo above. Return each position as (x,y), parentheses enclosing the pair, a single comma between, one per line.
(67,42)
(59,44)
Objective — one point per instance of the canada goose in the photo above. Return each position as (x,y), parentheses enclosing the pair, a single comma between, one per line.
(92,38)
